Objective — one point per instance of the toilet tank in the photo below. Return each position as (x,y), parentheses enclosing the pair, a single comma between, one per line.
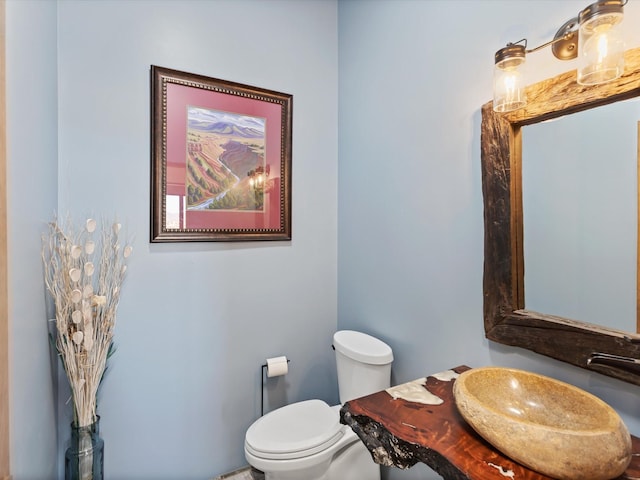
(363,362)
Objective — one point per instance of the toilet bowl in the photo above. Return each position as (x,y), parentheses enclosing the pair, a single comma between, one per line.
(305,440)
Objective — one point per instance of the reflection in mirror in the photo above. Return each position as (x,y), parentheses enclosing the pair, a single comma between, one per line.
(579,203)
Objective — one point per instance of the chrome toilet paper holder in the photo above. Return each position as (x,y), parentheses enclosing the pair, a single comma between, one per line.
(263,371)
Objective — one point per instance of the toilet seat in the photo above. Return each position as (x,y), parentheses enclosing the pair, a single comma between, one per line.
(294,431)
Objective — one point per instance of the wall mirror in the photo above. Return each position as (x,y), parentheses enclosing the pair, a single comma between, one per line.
(508,318)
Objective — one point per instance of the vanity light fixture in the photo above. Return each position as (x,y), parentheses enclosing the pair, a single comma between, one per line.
(601,54)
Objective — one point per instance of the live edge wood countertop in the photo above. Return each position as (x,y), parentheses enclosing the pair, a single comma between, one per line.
(400,433)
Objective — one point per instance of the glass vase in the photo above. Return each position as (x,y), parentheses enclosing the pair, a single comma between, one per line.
(85,456)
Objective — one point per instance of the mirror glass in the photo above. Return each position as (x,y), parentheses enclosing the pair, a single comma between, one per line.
(580,215)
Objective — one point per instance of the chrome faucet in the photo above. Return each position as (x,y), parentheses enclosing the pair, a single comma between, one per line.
(628,364)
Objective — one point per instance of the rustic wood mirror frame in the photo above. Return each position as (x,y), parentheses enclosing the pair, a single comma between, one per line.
(506,320)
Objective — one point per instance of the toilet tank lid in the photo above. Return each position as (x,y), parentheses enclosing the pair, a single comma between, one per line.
(362,347)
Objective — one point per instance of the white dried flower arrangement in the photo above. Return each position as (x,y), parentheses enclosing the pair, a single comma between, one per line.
(84,276)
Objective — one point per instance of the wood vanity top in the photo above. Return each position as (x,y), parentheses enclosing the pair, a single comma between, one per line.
(400,433)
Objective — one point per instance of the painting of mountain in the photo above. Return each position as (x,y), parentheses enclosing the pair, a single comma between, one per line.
(223,149)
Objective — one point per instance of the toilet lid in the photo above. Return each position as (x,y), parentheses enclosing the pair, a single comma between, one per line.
(294,431)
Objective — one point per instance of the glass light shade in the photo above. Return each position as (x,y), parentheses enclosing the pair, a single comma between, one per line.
(601,43)
(508,79)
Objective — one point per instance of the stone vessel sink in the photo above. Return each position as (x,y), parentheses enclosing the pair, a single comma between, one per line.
(549,426)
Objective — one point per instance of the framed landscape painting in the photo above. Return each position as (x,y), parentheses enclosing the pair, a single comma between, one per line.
(220,160)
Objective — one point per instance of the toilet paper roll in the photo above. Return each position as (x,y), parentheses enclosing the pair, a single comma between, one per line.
(277,366)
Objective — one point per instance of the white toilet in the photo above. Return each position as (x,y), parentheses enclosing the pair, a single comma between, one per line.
(305,440)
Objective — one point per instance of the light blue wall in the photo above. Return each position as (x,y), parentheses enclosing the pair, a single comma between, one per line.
(196,321)
(32,173)
(413,77)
